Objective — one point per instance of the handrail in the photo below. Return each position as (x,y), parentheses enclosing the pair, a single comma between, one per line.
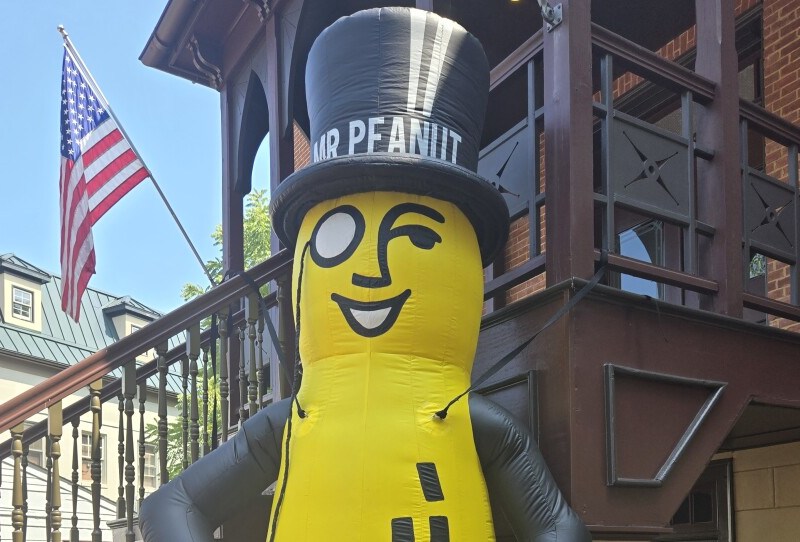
(667,73)
(23,406)
(521,55)
(112,389)
(770,124)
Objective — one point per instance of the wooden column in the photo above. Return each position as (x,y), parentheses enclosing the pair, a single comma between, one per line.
(281,147)
(232,224)
(55,425)
(163,424)
(129,393)
(193,351)
(96,455)
(17,515)
(568,144)
(719,180)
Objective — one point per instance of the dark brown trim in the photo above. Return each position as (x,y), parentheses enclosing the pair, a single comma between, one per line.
(518,275)
(778,308)
(769,124)
(650,65)
(569,144)
(516,60)
(660,274)
(626,532)
(719,196)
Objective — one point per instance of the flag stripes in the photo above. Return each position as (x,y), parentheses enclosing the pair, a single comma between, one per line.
(98,167)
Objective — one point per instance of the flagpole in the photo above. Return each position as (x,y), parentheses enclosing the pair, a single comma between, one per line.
(85,69)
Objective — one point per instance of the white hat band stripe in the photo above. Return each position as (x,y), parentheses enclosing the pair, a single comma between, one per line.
(443,32)
(416,43)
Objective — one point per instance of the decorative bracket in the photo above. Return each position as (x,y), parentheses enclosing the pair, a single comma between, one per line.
(552,15)
(212,72)
(263,8)
(611,445)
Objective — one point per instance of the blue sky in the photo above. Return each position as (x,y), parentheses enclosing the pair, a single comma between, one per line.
(173,123)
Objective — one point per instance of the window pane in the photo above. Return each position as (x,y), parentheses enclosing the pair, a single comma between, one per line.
(22,304)
(86,457)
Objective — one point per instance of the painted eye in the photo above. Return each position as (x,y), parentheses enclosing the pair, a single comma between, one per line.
(337,235)
(420,236)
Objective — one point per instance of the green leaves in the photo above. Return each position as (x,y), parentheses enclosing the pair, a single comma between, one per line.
(257,233)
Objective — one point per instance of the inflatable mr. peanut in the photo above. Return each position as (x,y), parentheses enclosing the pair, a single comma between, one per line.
(391,228)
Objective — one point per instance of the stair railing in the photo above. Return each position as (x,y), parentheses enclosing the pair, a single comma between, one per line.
(181,380)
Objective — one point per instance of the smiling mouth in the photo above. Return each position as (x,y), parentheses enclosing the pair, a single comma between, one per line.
(371,318)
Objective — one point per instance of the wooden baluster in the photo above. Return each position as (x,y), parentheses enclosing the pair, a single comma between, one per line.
(193,351)
(142,401)
(161,349)
(96,454)
(262,387)
(25,451)
(121,459)
(74,534)
(206,448)
(251,314)
(17,515)
(224,389)
(55,427)
(129,392)
(242,376)
(185,417)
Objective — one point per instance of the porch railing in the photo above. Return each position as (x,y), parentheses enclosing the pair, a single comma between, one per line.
(257,377)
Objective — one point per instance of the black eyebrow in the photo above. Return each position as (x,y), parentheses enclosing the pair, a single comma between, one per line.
(398,210)
(385,234)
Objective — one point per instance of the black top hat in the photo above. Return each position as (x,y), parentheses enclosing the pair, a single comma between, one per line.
(396,101)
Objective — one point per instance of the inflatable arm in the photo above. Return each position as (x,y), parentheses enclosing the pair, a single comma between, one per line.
(191,506)
(518,480)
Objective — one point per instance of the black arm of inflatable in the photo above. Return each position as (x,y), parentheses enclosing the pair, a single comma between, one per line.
(518,479)
(191,506)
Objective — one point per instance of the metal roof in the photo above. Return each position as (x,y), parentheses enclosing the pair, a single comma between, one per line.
(64,341)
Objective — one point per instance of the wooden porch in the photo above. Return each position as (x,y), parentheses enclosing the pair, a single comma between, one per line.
(597,133)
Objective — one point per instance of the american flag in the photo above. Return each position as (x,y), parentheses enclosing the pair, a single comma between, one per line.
(98,167)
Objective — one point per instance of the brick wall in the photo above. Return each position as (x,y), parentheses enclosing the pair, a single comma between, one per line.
(782,97)
(302,150)
(767,493)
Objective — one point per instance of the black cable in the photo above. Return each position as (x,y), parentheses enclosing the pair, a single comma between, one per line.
(442,414)
(300,412)
(273,335)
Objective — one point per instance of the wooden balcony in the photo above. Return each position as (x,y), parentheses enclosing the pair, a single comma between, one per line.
(596,141)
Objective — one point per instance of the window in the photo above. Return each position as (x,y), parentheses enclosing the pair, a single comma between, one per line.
(135,328)
(704,513)
(35,449)
(643,242)
(150,469)
(86,457)
(22,304)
